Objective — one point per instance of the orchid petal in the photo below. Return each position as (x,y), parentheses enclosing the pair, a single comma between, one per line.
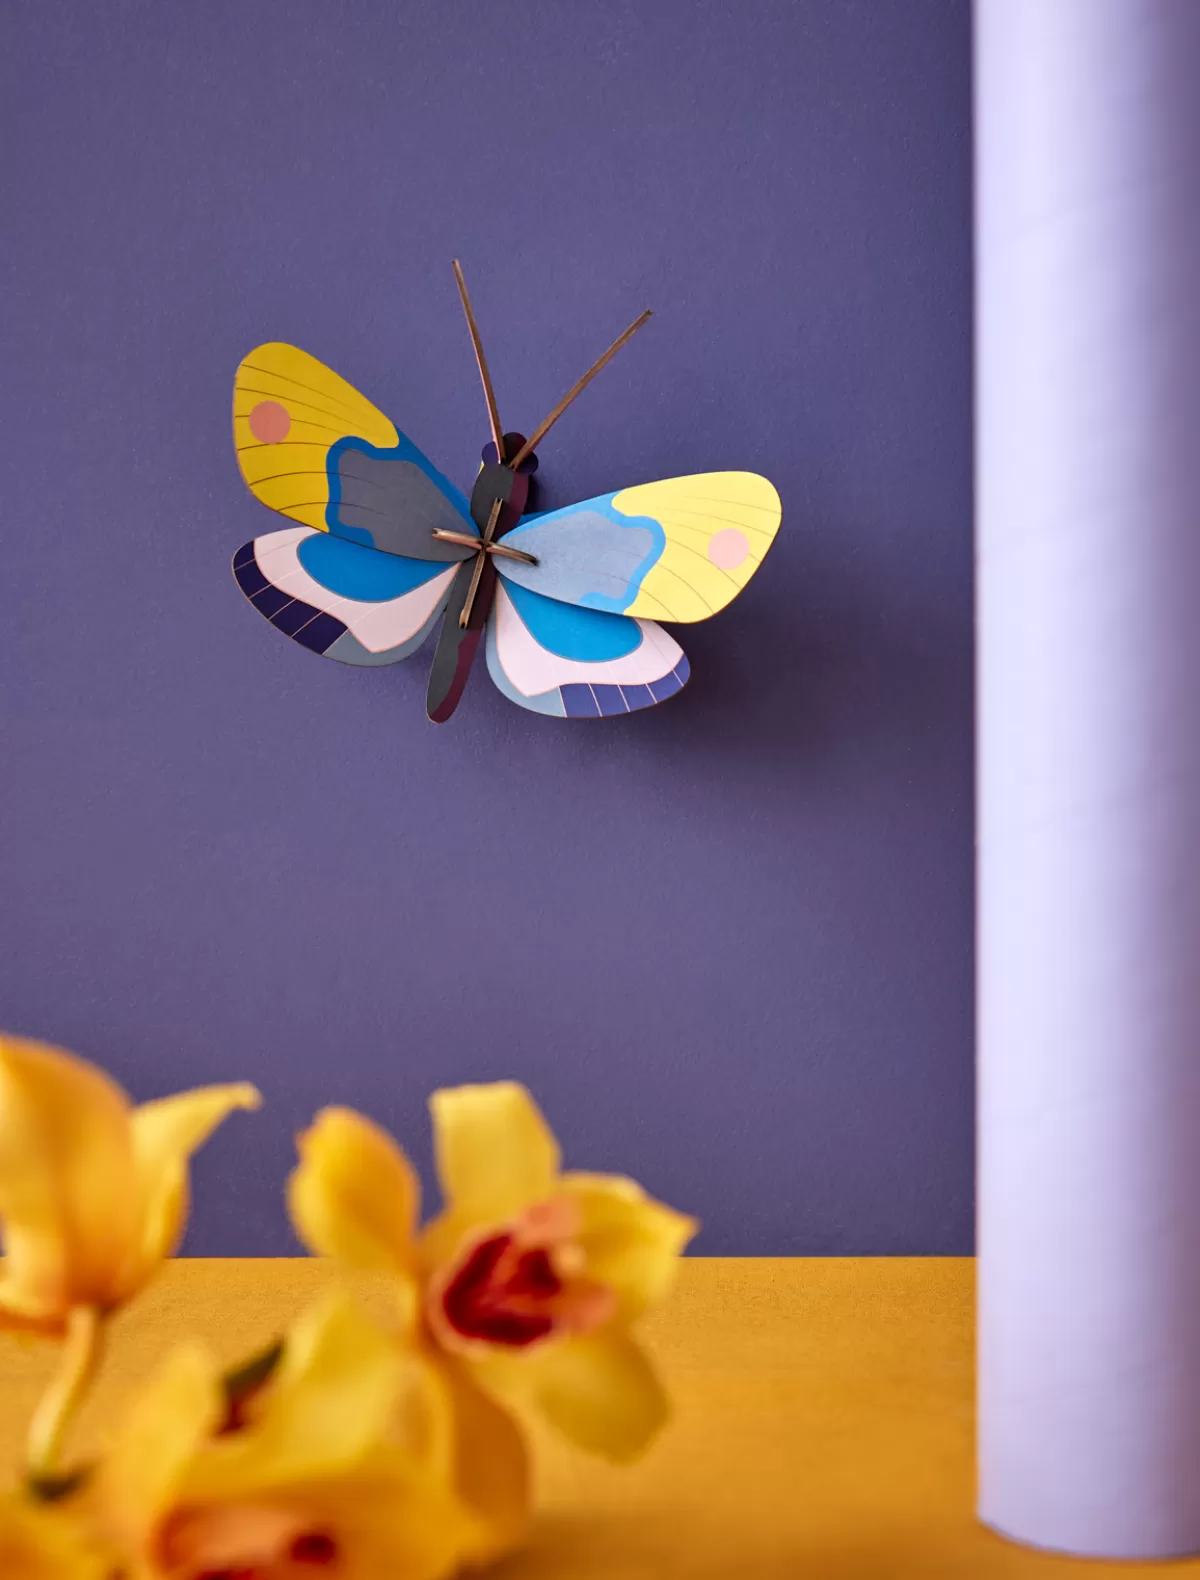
(631,1243)
(165,1134)
(354,1194)
(166,1421)
(491,1471)
(332,1397)
(68,1197)
(495,1153)
(599,1389)
(45,1544)
(388,1521)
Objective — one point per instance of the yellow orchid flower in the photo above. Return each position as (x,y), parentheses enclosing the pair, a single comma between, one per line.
(528,1281)
(340,1467)
(93,1198)
(39,1542)
(93,1192)
(355,1196)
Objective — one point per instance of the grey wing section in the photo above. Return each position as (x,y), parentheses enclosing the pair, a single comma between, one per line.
(391,504)
(583,557)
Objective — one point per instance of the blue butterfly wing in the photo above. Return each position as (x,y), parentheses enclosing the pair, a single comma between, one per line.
(576,663)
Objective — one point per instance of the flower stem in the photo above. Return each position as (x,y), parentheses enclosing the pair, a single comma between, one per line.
(60,1403)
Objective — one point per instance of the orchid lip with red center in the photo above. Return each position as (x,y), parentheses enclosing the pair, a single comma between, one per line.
(311,1549)
(317,1548)
(521,1284)
(245,1542)
(501,1295)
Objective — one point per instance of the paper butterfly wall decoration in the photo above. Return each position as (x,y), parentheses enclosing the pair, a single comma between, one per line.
(384,545)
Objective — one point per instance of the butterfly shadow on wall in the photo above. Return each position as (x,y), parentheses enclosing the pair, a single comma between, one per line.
(384,546)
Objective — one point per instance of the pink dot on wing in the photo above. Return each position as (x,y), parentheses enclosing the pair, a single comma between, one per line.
(728,548)
(270,422)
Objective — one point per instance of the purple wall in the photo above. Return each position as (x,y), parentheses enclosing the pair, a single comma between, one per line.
(728,941)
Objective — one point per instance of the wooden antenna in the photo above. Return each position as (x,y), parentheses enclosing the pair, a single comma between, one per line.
(543,428)
(489,394)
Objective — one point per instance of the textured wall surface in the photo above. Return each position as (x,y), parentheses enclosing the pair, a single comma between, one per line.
(726,941)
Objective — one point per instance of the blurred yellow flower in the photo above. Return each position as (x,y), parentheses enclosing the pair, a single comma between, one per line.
(39,1543)
(93,1192)
(528,1281)
(340,1466)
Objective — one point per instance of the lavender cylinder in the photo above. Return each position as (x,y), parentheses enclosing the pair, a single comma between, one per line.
(1088,549)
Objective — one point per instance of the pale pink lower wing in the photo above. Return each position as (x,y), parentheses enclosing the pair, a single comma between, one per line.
(568,662)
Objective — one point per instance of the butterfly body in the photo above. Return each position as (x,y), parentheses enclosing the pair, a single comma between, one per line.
(381,546)
(457,643)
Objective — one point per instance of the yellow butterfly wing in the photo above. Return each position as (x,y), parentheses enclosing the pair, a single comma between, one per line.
(288,410)
(678,550)
(718,527)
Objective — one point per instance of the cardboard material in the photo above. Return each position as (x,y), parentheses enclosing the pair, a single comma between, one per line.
(311,447)
(1088,563)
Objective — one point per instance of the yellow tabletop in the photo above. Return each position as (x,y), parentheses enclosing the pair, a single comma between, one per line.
(823,1425)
